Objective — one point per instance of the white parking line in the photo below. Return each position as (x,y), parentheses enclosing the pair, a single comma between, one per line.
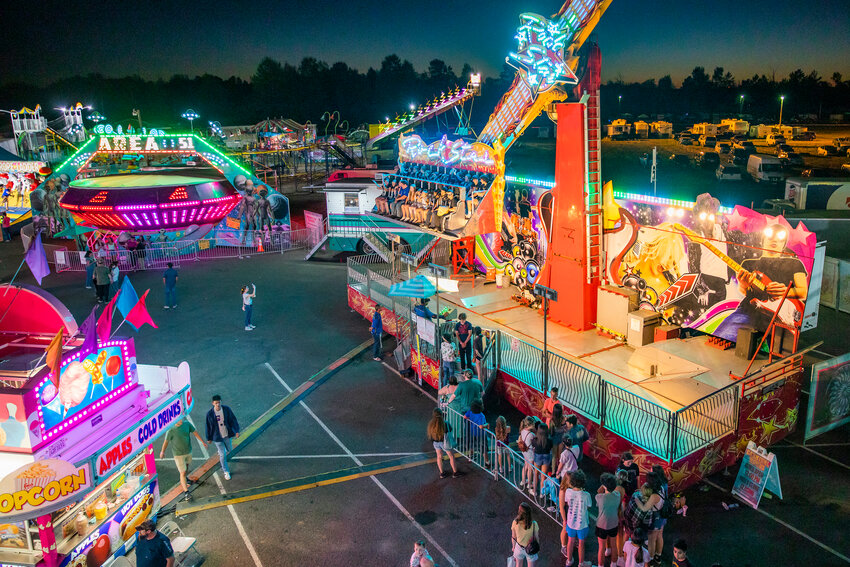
(789,526)
(331,456)
(239,527)
(377,482)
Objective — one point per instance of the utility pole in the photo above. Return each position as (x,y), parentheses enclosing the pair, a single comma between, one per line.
(546,293)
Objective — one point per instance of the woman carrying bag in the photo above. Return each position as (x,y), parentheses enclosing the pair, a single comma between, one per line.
(524,538)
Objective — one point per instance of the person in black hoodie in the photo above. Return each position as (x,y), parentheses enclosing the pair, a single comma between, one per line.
(221,428)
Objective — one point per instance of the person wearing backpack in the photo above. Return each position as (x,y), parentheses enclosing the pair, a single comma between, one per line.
(525,543)
(638,511)
(662,511)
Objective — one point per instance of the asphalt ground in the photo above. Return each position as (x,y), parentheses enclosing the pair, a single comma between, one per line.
(303,324)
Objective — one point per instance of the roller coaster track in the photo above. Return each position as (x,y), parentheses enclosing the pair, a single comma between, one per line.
(57,136)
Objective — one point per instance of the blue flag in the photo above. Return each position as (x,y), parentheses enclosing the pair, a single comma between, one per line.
(128,299)
(37,260)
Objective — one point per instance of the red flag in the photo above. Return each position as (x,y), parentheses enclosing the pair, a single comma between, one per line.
(139,315)
(104,322)
(54,356)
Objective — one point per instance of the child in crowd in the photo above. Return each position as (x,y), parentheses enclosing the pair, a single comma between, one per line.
(549,492)
(577,500)
(680,554)
(635,553)
(632,471)
(567,461)
(503,461)
(477,439)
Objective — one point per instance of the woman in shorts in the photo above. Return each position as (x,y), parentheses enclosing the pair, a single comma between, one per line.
(438,432)
(608,500)
(542,445)
(524,443)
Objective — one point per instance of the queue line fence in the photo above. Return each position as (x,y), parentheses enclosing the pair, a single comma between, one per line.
(668,434)
(157,255)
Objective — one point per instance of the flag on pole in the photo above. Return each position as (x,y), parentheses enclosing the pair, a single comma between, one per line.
(54,356)
(89,330)
(129,298)
(104,322)
(37,260)
(139,315)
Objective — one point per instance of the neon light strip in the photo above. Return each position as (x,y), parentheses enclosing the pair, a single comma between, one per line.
(662,201)
(527,181)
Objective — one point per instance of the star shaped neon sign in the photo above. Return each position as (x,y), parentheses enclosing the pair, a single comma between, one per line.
(540,52)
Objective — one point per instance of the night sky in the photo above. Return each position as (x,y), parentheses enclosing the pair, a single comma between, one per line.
(639,39)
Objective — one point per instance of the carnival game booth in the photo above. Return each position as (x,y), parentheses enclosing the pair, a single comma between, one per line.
(251,204)
(78,470)
(18,179)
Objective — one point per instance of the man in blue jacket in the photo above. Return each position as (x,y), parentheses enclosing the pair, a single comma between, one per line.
(221,428)
(377,330)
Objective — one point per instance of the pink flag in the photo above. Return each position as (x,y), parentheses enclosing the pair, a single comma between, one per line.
(104,322)
(139,315)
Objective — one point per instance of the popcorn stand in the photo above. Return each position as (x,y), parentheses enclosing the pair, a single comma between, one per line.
(77,470)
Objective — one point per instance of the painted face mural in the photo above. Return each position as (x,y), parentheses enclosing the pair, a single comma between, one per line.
(708,267)
(520,247)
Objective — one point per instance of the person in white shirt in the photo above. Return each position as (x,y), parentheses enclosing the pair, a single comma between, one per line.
(248,304)
(114,274)
(447,350)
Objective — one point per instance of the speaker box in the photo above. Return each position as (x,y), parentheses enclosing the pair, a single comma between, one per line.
(747,342)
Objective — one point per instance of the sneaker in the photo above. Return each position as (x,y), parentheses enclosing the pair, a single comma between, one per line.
(249,328)
(444,474)
(550,508)
(563,551)
(88,287)
(227,476)
(378,358)
(253,326)
(174,307)
(165,306)
(186,497)
(458,474)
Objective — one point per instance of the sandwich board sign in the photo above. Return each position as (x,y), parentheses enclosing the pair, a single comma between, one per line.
(759,472)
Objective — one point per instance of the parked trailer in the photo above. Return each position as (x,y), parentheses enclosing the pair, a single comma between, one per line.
(763,167)
(819,193)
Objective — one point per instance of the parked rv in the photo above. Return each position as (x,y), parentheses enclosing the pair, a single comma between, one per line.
(763,167)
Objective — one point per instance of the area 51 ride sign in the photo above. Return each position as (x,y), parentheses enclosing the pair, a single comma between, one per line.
(759,472)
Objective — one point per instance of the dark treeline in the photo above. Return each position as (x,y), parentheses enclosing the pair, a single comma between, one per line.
(703,95)
(306,91)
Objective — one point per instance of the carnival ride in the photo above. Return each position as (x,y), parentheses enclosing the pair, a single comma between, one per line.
(145,183)
(635,274)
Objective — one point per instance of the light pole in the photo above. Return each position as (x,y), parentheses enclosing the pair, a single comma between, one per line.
(619,105)
(190,115)
(781,104)
(741,109)
(138,114)
(439,271)
(546,293)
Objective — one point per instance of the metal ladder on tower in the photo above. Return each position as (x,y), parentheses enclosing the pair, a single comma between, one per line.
(593,150)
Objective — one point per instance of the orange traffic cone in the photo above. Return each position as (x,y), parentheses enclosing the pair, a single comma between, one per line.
(260,245)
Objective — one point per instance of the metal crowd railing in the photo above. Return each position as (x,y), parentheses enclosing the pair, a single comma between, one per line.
(156,255)
(480,446)
(670,435)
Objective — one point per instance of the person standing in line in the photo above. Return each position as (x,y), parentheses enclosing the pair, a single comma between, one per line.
(169,280)
(221,428)
(656,532)
(421,557)
(181,449)
(577,433)
(634,550)
(377,330)
(542,445)
(478,353)
(549,405)
(153,549)
(463,333)
(447,350)
(608,500)
(248,304)
(114,276)
(101,281)
(88,257)
(469,389)
(557,432)
(438,433)
(141,253)
(631,470)
(525,444)
(576,524)
(524,531)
